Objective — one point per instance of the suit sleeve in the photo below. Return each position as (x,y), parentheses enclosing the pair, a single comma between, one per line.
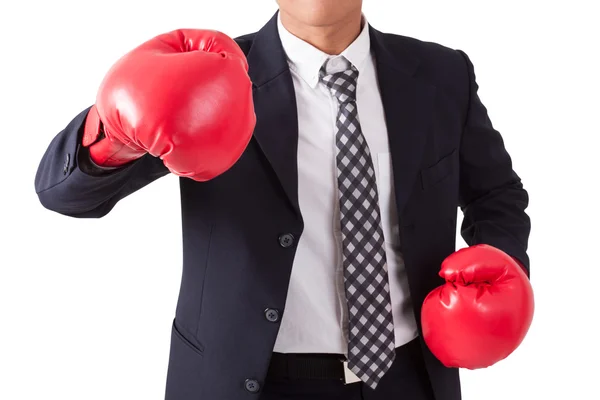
(492,196)
(68,183)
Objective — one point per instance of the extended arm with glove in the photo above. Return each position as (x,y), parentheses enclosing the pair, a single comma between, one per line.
(184,97)
(180,102)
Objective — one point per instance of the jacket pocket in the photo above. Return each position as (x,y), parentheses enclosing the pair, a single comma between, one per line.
(439,171)
(178,336)
(184,374)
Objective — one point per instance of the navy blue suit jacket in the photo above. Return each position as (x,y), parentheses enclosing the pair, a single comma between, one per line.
(240,229)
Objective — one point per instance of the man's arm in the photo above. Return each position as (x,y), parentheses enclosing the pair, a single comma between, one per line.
(190,113)
(475,319)
(69,183)
(492,196)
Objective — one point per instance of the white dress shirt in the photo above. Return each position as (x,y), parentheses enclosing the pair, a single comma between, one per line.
(315,318)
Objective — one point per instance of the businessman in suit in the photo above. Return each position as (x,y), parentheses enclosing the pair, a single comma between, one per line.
(322,164)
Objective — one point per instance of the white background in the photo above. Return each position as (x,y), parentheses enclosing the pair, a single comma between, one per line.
(86,305)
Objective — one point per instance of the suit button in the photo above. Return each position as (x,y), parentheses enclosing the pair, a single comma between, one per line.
(272,315)
(252,385)
(286,240)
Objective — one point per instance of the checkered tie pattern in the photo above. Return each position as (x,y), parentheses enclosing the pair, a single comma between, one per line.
(371,349)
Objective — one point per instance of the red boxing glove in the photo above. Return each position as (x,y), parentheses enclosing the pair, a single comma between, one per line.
(184,96)
(482,313)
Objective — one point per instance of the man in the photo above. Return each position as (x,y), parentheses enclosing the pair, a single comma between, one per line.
(322,163)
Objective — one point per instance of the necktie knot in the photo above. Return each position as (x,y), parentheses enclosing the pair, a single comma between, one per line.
(341,83)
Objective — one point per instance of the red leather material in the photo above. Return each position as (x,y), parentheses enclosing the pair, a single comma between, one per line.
(482,313)
(184,96)
(107,151)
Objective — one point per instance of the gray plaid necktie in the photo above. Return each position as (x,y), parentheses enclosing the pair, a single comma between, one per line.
(371,329)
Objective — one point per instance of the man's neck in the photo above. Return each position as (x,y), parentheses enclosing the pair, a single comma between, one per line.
(330,39)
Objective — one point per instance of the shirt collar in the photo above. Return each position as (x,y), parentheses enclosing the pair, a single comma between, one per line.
(307,60)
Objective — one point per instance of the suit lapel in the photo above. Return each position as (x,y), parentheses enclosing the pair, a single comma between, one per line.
(407,102)
(408,105)
(276,128)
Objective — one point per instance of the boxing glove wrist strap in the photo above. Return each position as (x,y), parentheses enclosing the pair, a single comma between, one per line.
(106,151)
